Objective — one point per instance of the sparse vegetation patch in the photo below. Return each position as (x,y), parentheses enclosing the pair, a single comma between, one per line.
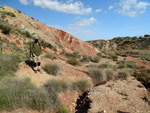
(73,61)
(16,93)
(4,13)
(81,85)
(99,76)
(52,68)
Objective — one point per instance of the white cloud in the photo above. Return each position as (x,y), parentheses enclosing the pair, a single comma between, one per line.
(98,10)
(86,22)
(132,8)
(24,2)
(79,30)
(69,6)
(110,7)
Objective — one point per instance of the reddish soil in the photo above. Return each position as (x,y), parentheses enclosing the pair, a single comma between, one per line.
(138,61)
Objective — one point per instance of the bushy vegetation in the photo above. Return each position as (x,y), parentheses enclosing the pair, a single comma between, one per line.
(123,74)
(114,57)
(96,59)
(81,85)
(143,75)
(110,74)
(45,44)
(8,64)
(16,93)
(73,61)
(50,56)
(19,11)
(6,28)
(99,76)
(4,13)
(127,64)
(75,54)
(62,109)
(105,65)
(86,58)
(56,86)
(52,68)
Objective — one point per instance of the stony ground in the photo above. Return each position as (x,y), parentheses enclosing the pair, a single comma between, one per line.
(119,95)
(113,97)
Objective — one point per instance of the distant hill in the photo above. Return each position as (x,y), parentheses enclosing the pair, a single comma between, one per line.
(123,43)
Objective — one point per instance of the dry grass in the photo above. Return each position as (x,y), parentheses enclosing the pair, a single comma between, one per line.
(16,93)
(52,68)
(99,76)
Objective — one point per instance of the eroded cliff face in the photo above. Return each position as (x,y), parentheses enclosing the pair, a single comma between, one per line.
(47,33)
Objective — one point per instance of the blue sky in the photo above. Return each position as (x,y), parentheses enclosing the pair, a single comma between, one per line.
(89,19)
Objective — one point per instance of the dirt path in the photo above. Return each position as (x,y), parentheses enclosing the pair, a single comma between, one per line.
(67,72)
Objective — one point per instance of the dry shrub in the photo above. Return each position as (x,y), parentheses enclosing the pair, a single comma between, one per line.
(99,76)
(110,74)
(16,93)
(56,86)
(123,74)
(73,61)
(52,68)
(81,85)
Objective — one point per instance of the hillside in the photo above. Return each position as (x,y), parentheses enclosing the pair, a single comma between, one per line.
(123,43)
(57,38)
(74,79)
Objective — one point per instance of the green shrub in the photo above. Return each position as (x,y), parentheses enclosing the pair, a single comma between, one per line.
(73,61)
(53,69)
(16,93)
(122,65)
(8,64)
(98,75)
(114,57)
(86,58)
(92,66)
(50,56)
(5,27)
(81,85)
(27,34)
(104,56)
(56,86)
(4,13)
(62,109)
(131,64)
(110,74)
(19,11)
(123,74)
(105,65)
(45,44)
(4,73)
(127,64)
(96,59)
(142,74)
(75,54)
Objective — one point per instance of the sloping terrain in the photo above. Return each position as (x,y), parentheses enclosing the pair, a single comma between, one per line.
(91,84)
(119,96)
(123,43)
(51,35)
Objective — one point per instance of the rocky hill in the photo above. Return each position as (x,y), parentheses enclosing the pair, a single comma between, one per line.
(51,35)
(123,43)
